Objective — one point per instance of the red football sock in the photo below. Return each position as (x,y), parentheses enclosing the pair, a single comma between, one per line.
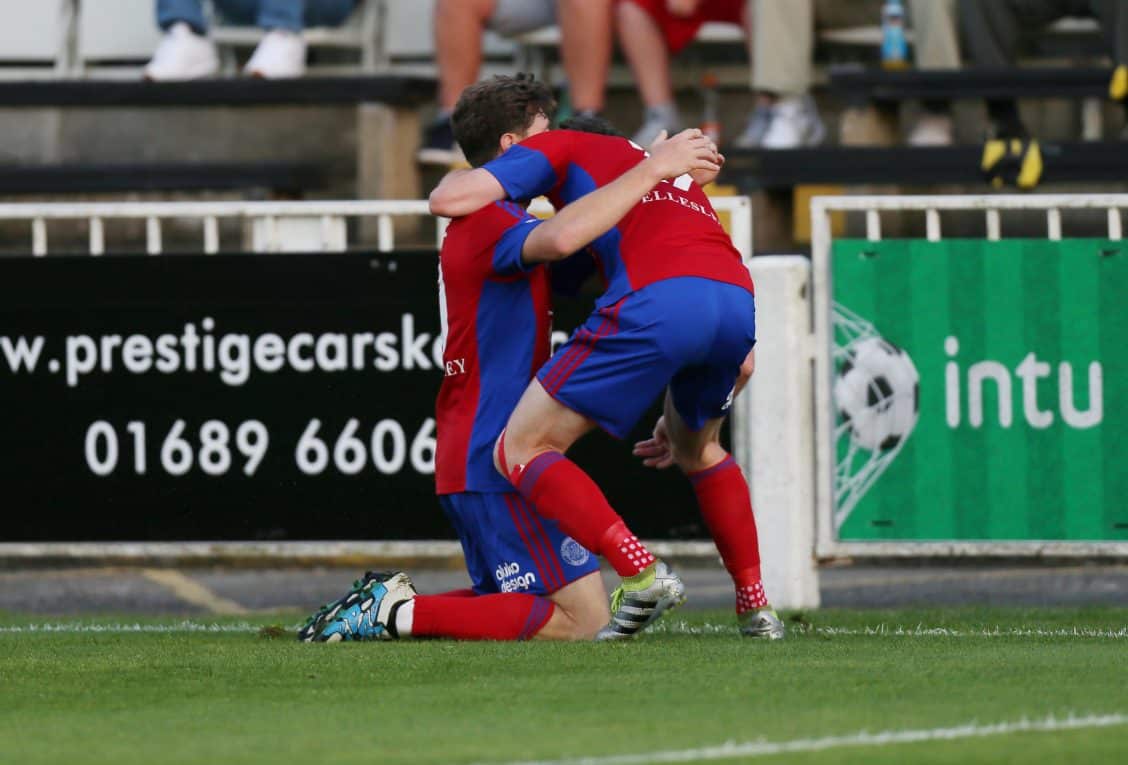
(464,593)
(508,616)
(726,506)
(560,490)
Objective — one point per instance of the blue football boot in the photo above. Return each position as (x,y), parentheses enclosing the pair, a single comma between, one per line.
(323,615)
(367,618)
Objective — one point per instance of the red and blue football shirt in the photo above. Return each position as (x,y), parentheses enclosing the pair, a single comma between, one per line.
(497,317)
(673,231)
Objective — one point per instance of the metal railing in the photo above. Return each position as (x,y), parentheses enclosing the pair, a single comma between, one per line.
(325,220)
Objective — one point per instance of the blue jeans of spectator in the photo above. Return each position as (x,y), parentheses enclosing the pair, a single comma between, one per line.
(294,15)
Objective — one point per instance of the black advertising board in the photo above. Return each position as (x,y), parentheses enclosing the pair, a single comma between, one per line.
(244,397)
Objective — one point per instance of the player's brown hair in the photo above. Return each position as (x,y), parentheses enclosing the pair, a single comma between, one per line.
(589,123)
(487,110)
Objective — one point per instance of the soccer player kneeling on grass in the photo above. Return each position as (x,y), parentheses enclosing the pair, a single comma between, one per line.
(678,314)
(533,576)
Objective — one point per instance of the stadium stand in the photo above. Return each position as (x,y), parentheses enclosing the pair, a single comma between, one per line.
(1065,162)
(116,37)
(391,84)
(384,103)
(273,178)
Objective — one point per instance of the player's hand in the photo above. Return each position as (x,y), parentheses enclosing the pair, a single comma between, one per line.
(682,8)
(705,177)
(655,451)
(686,152)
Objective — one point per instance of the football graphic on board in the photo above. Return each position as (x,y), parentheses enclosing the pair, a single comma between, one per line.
(877,393)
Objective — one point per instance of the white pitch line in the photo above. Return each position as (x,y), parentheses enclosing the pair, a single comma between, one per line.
(671,627)
(731,749)
(665,627)
(117,629)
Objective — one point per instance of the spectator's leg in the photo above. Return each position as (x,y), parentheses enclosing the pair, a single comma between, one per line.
(1113,16)
(782,47)
(937,47)
(458,29)
(459,25)
(935,29)
(282,52)
(293,15)
(185,53)
(328,13)
(991,33)
(645,50)
(280,14)
(782,44)
(191,12)
(585,32)
(240,12)
(992,30)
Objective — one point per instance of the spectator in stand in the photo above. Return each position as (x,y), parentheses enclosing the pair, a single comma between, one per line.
(780,36)
(586,37)
(186,53)
(785,116)
(993,30)
(782,53)
(936,47)
(650,31)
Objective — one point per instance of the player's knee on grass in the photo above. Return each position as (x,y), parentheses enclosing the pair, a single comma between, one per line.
(581,610)
(563,625)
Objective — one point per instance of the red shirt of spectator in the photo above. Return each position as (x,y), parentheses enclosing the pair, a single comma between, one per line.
(679,29)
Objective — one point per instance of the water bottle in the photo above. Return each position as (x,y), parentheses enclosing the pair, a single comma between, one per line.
(894,48)
(710,112)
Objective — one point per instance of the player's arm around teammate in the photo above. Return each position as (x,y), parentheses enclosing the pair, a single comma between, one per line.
(464,191)
(589,217)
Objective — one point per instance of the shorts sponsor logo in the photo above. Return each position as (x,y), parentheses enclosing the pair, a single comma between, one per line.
(510,579)
(573,552)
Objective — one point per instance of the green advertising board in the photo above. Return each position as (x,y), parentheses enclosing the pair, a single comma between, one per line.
(980,390)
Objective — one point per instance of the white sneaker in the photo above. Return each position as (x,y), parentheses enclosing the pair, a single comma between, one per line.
(795,123)
(932,130)
(281,54)
(758,123)
(655,124)
(182,55)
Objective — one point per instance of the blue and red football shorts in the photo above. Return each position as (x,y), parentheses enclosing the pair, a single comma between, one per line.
(689,333)
(509,548)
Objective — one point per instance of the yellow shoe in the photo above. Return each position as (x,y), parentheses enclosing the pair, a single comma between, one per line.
(1118,85)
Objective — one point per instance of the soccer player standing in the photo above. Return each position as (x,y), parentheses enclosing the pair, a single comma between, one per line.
(529,578)
(678,313)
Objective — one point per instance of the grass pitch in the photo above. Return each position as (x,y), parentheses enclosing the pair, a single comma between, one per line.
(117,691)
